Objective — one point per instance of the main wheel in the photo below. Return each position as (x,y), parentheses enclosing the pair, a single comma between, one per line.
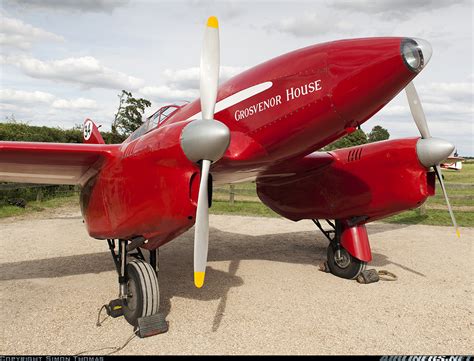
(143,296)
(345,266)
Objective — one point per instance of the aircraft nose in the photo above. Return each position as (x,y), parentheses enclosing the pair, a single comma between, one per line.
(416,53)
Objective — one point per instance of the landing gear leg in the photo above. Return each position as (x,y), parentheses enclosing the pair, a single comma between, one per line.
(154,254)
(339,261)
(138,282)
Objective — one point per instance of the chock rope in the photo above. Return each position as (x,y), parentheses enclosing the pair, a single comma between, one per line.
(387,276)
(99,322)
(114,349)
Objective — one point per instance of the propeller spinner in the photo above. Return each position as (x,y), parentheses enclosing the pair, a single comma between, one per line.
(204,141)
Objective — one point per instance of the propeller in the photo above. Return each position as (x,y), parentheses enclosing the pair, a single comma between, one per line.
(205,141)
(431,151)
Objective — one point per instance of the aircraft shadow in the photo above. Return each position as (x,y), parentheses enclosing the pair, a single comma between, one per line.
(176,258)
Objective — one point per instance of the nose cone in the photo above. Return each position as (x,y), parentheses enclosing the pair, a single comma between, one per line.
(432,151)
(368,73)
(416,53)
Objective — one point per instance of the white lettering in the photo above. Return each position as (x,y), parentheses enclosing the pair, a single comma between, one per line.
(292,93)
(289,92)
(297,92)
(304,90)
(318,84)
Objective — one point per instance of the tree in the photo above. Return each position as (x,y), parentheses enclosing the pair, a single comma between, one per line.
(378,133)
(355,138)
(129,113)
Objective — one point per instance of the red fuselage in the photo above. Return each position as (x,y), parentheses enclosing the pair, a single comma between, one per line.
(278,112)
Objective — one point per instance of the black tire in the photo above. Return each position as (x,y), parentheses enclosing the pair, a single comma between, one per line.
(143,294)
(347,267)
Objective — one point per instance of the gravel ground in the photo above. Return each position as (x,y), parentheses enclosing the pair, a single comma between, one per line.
(264,293)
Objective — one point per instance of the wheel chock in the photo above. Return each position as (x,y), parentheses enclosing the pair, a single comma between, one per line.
(323,266)
(368,276)
(151,325)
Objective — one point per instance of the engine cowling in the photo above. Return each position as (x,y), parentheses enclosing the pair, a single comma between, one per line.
(361,184)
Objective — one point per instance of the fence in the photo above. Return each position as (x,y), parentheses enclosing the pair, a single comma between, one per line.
(240,192)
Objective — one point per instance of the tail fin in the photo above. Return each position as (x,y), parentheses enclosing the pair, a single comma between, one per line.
(91,133)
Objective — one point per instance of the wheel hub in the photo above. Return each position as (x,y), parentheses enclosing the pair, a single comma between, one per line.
(342,258)
(132,290)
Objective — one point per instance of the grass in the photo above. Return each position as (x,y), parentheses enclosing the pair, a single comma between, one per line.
(243,208)
(436,217)
(32,207)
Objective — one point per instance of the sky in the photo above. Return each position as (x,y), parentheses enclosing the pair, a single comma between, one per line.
(63,61)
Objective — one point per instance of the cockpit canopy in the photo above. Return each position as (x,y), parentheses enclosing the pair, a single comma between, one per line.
(154,120)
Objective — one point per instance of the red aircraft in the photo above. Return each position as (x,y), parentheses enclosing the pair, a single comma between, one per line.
(266,124)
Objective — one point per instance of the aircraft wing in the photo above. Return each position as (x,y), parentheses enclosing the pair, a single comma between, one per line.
(287,171)
(51,163)
(453,160)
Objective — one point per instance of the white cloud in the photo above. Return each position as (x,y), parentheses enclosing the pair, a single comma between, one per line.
(189,78)
(393,9)
(25,97)
(165,93)
(183,84)
(79,103)
(449,92)
(15,99)
(311,25)
(86,71)
(17,34)
(68,5)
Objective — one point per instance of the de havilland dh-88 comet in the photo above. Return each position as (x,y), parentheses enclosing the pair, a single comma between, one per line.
(266,125)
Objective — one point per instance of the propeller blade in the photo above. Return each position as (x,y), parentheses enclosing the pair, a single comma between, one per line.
(201,230)
(417,111)
(430,151)
(441,182)
(205,140)
(209,68)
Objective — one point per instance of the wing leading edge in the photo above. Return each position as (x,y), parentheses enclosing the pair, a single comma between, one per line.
(52,163)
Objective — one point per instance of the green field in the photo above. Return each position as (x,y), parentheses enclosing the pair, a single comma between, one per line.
(35,206)
(459,184)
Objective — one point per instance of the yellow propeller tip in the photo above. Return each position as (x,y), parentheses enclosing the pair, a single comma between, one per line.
(199,279)
(458,233)
(212,22)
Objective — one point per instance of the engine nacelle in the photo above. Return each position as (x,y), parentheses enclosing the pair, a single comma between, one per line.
(361,184)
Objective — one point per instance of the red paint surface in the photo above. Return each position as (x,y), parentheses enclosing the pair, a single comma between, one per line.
(356,241)
(148,187)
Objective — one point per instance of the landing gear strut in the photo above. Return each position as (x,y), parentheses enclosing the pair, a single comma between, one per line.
(339,261)
(139,294)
